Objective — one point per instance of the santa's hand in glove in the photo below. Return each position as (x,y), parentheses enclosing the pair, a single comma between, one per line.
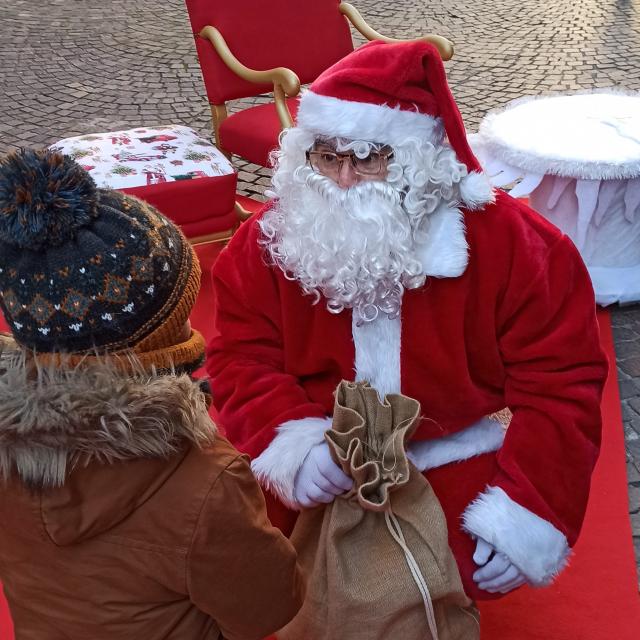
(320,479)
(498,574)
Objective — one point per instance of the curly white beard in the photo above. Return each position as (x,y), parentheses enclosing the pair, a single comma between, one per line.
(356,247)
(353,246)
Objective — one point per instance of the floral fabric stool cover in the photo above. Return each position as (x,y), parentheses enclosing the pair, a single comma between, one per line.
(577,157)
(185,176)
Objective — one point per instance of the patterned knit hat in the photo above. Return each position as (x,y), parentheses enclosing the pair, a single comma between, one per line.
(86,270)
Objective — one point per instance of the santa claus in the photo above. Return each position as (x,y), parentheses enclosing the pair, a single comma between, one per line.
(385,256)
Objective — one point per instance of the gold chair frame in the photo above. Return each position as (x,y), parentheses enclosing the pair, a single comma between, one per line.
(286,83)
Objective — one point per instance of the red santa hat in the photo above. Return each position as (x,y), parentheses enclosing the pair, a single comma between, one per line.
(386,93)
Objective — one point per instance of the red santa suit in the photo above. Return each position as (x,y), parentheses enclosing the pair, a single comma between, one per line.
(510,323)
(506,318)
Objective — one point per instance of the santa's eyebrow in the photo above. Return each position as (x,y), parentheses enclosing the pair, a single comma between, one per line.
(325,142)
(344,145)
(349,144)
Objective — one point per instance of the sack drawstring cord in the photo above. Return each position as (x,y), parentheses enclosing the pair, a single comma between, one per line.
(396,532)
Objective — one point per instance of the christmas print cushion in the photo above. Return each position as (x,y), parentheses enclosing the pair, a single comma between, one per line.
(145,156)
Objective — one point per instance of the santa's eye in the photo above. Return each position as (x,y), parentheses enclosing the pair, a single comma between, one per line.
(367,161)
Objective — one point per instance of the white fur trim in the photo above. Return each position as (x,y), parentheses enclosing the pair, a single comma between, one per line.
(277,466)
(615,284)
(444,254)
(476,190)
(377,346)
(481,437)
(533,544)
(329,116)
(591,135)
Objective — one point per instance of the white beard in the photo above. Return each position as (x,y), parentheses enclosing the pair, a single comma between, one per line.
(355,247)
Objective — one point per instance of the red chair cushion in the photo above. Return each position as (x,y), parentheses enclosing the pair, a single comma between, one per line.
(253,132)
(201,206)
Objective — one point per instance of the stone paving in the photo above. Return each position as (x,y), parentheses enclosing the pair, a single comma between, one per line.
(68,68)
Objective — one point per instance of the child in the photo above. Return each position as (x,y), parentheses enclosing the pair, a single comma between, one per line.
(124,514)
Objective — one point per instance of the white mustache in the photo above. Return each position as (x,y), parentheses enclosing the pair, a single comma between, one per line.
(356,195)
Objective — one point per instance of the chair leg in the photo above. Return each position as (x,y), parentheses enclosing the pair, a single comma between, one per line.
(218,116)
(242,213)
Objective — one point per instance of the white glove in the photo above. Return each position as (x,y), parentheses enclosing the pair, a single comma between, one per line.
(498,574)
(319,479)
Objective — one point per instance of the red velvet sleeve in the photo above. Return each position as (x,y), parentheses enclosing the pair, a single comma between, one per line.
(251,390)
(549,341)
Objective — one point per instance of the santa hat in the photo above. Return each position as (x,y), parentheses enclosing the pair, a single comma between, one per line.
(386,93)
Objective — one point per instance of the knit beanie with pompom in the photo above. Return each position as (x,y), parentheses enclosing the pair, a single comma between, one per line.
(85,270)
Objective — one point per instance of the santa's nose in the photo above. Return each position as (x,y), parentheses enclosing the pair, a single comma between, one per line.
(347,176)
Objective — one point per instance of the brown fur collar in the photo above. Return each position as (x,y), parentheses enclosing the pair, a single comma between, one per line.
(54,418)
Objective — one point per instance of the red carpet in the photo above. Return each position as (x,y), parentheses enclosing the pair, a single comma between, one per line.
(596,598)
(202,313)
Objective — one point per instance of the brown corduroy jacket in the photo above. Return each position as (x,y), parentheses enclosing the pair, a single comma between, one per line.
(124,516)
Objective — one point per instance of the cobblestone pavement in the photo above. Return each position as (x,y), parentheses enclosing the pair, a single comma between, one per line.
(69,68)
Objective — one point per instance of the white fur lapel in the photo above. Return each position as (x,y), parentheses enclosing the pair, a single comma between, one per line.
(444,252)
(377,348)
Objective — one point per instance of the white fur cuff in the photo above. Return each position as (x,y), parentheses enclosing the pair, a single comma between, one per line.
(481,437)
(277,466)
(533,544)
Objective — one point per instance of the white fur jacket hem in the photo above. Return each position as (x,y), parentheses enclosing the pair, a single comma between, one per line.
(483,436)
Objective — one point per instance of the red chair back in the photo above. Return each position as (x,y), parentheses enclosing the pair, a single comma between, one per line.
(307,36)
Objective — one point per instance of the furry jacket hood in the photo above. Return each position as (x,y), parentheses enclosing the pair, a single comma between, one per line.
(63,429)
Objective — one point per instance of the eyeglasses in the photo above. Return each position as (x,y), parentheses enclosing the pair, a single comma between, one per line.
(329,162)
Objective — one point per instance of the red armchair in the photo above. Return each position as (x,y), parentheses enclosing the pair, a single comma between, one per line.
(254,47)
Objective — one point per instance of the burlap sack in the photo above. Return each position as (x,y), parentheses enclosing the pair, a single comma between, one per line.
(369,554)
